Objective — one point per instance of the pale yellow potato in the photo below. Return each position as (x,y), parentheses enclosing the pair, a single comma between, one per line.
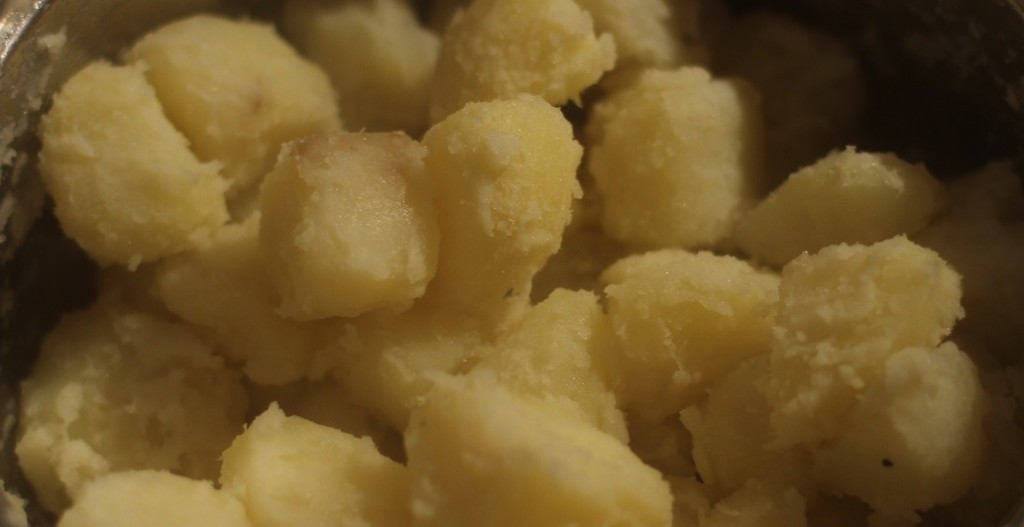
(915,437)
(690,502)
(843,311)
(149,498)
(481,455)
(733,440)
(812,87)
(845,197)
(681,321)
(390,362)
(642,30)
(378,57)
(758,504)
(289,471)
(677,158)
(497,49)
(561,354)
(665,445)
(348,225)
(981,234)
(505,174)
(116,389)
(236,90)
(126,186)
(223,285)
(441,12)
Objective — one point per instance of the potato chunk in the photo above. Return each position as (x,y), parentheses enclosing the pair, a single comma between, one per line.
(681,321)
(642,30)
(846,197)
(505,173)
(480,455)
(378,57)
(758,504)
(676,156)
(560,353)
(497,49)
(126,186)
(236,90)
(915,437)
(290,471)
(149,498)
(811,84)
(348,225)
(843,311)
(118,390)
(222,285)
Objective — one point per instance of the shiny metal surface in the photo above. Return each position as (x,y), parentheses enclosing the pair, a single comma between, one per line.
(965,56)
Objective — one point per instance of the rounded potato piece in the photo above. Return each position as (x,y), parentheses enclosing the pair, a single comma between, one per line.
(115,389)
(149,498)
(237,91)
(348,225)
(642,30)
(733,440)
(126,186)
(481,455)
(845,197)
(843,311)
(223,285)
(378,57)
(677,158)
(915,438)
(289,471)
(681,321)
(505,173)
(758,504)
(497,49)
(560,353)
(811,84)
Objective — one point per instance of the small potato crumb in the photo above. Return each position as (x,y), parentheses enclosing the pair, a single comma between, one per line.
(237,91)
(378,57)
(149,498)
(811,85)
(682,320)
(842,312)
(289,471)
(677,158)
(560,353)
(915,437)
(846,197)
(116,389)
(481,455)
(505,173)
(758,504)
(348,225)
(126,186)
(223,285)
(497,49)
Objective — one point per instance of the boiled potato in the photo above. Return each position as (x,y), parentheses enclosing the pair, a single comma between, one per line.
(223,285)
(378,57)
(811,84)
(846,197)
(914,438)
(481,455)
(236,90)
(115,389)
(126,186)
(677,158)
(560,353)
(681,321)
(290,471)
(505,173)
(642,31)
(843,311)
(758,504)
(497,49)
(149,498)
(348,225)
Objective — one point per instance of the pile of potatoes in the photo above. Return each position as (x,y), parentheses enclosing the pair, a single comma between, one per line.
(517,262)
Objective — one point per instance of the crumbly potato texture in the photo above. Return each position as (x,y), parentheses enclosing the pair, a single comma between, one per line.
(589,263)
